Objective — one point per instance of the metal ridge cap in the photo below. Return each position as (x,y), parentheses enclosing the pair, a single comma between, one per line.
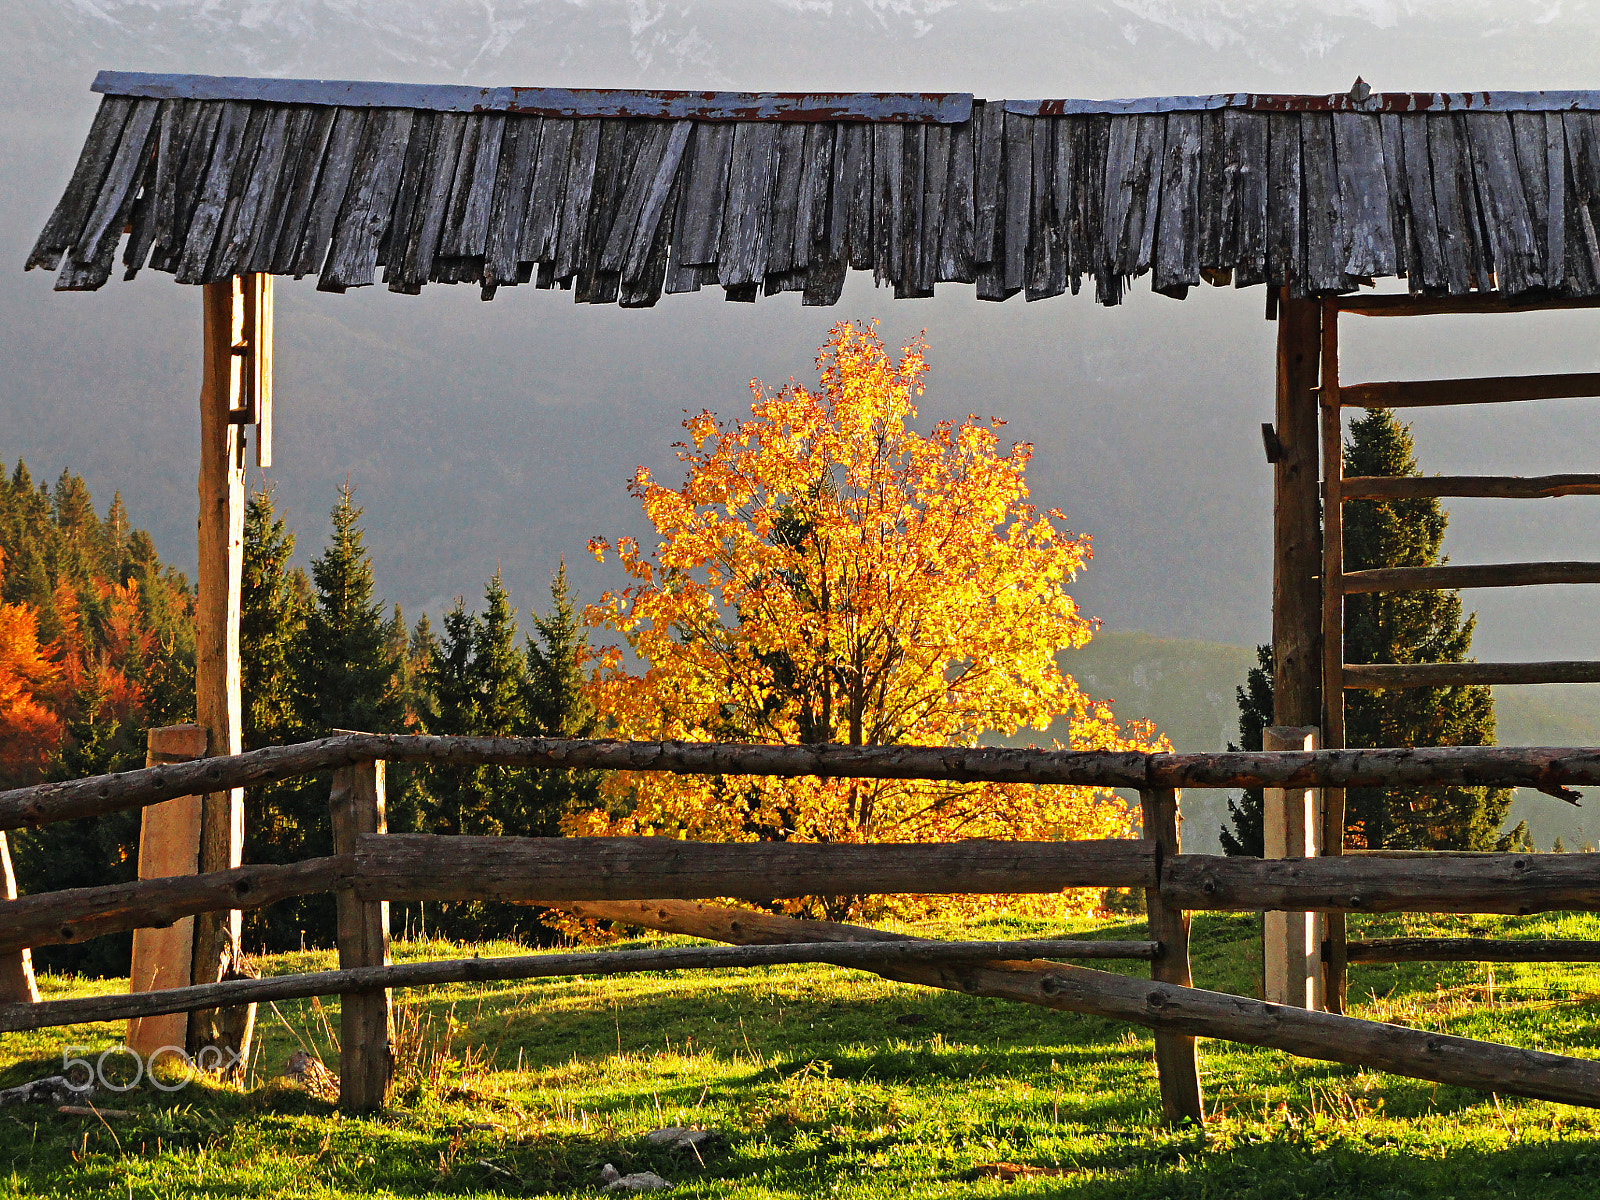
(1377,102)
(908,107)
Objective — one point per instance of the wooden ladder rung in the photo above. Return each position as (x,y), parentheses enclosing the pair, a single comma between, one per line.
(1424,579)
(1414,393)
(1509,487)
(1403,675)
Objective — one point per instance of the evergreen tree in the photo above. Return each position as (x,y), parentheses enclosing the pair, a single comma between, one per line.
(559,708)
(1394,627)
(270,621)
(344,669)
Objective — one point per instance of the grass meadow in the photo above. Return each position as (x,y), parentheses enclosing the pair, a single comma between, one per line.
(828,1082)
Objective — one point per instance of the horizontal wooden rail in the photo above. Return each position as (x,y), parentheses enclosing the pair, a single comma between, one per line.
(1167,1006)
(1547,768)
(1509,487)
(425,867)
(1396,305)
(1553,950)
(1443,882)
(78,914)
(1403,675)
(1423,579)
(1428,393)
(354,980)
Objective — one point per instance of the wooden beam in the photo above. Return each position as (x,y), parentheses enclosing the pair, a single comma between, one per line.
(1448,578)
(1510,487)
(1543,767)
(78,914)
(1177,1060)
(1550,950)
(258,323)
(356,805)
(1291,828)
(1402,675)
(1442,882)
(1395,1049)
(406,866)
(1331,985)
(1296,531)
(169,846)
(17,985)
(217,664)
(1427,393)
(1369,305)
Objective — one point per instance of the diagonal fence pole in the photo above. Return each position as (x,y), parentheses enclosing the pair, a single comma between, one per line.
(1177,1059)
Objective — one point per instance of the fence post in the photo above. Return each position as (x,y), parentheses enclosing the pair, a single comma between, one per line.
(1291,827)
(16,968)
(1177,1061)
(169,844)
(356,805)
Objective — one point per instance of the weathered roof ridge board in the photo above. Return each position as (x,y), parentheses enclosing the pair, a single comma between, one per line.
(620,196)
(946,108)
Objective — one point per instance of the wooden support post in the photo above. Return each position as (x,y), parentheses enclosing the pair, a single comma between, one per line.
(217,667)
(1177,1060)
(365,1065)
(16,967)
(1334,969)
(169,844)
(1291,827)
(1297,535)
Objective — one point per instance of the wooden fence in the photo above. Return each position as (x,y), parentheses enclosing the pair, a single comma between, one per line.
(651,882)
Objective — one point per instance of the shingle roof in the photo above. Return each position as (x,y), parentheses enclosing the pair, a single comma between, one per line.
(622,195)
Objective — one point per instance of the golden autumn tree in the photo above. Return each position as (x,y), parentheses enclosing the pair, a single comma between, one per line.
(828,574)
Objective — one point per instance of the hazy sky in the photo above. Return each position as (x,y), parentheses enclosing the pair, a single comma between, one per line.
(502,434)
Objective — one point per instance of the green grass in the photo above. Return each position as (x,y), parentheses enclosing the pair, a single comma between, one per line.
(829,1082)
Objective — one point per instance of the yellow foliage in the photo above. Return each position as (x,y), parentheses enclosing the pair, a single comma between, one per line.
(828,574)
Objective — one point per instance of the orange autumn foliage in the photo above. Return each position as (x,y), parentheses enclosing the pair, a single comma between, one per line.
(29,731)
(828,574)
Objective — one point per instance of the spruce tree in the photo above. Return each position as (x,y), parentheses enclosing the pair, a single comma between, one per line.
(270,620)
(558,708)
(1393,627)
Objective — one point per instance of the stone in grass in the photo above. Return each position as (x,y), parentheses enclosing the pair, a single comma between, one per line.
(53,1089)
(682,1137)
(305,1071)
(640,1181)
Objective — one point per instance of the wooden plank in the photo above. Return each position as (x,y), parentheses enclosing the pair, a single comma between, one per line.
(1420,393)
(1531,171)
(1018,199)
(642,288)
(1512,487)
(1363,228)
(301,181)
(1326,253)
(935,187)
(241,226)
(1506,212)
(1441,882)
(699,230)
(1583,197)
(1331,983)
(1291,829)
(1296,525)
(1474,949)
(742,250)
(1137,251)
(787,181)
(1371,305)
(212,195)
(187,188)
(888,157)
(1555,149)
(988,238)
(643,178)
(1455,206)
(415,258)
(1177,257)
(621,144)
(17,984)
(1216,189)
(1285,226)
(1247,217)
(579,188)
(406,867)
(276,199)
(1177,1061)
(89,263)
(542,218)
(956,231)
(157,207)
(1068,152)
(258,328)
(1429,269)
(1089,184)
(659,200)
(913,143)
(356,809)
(415,171)
(1047,256)
(1406,675)
(369,202)
(334,178)
(1448,578)
(224,254)
(1394,166)
(513,184)
(853,188)
(816,173)
(65,224)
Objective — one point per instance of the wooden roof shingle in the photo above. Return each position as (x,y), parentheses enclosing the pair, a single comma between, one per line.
(620,196)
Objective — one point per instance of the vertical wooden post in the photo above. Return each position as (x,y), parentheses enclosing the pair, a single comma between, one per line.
(1335,967)
(357,806)
(1291,827)
(169,844)
(1296,531)
(218,705)
(1177,1061)
(16,969)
